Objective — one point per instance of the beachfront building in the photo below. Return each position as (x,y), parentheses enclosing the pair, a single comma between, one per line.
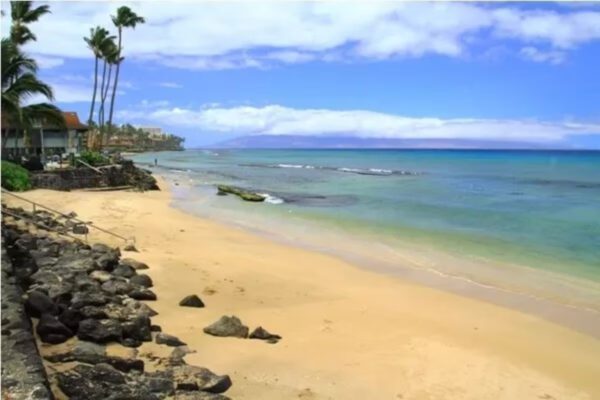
(43,138)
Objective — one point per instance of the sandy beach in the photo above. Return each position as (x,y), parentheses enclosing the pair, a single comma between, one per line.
(347,333)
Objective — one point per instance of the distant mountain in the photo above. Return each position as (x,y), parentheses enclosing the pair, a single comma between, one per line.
(348,142)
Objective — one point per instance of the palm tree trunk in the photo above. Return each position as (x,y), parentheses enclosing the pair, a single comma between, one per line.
(106,89)
(95,89)
(112,100)
(101,111)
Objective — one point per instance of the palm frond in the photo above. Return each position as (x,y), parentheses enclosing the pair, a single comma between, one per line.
(42,113)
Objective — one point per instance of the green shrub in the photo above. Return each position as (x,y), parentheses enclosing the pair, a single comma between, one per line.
(93,158)
(15,177)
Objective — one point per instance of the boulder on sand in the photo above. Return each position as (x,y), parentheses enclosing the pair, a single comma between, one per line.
(169,340)
(191,301)
(227,326)
(262,334)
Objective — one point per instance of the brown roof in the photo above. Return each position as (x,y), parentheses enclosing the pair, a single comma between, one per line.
(72,121)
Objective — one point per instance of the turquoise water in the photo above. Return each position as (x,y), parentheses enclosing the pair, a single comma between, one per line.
(537,208)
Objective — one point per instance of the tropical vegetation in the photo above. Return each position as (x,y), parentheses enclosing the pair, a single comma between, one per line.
(14,177)
(19,75)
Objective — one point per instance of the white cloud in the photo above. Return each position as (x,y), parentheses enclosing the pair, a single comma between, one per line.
(45,62)
(170,85)
(279,120)
(217,35)
(66,93)
(553,56)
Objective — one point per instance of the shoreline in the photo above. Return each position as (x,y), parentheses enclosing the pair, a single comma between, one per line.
(557,298)
(347,332)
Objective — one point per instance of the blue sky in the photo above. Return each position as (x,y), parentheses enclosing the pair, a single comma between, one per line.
(213,71)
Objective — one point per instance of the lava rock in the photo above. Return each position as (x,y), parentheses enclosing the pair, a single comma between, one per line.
(130,247)
(137,265)
(263,334)
(191,301)
(100,331)
(141,280)
(51,330)
(115,286)
(169,340)
(189,377)
(124,271)
(144,294)
(227,326)
(39,303)
(138,329)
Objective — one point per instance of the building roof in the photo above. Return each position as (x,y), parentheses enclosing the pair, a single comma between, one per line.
(71,120)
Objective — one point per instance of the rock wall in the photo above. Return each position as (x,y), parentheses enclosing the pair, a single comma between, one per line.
(123,174)
(23,374)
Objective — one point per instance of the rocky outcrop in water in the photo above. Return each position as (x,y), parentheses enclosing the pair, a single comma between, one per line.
(243,194)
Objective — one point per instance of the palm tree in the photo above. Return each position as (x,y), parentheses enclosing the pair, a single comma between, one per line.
(19,83)
(22,14)
(108,54)
(97,40)
(125,18)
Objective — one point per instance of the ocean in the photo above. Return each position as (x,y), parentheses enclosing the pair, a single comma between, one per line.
(523,221)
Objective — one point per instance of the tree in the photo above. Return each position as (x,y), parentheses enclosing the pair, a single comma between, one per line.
(22,14)
(96,42)
(20,83)
(108,54)
(125,18)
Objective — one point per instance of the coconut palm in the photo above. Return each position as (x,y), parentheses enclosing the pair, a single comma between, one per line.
(96,42)
(109,53)
(19,84)
(125,18)
(22,14)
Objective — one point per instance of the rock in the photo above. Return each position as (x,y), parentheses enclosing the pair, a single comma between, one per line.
(183,395)
(137,265)
(130,247)
(138,329)
(71,318)
(191,301)
(39,303)
(115,286)
(189,377)
(100,248)
(76,262)
(51,330)
(82,299)
(263,334)
(92,312)
(107,262)
(141,280)
(142,294)
(100,331)
(80,229)
(241,193)
(155,328)
(86,382)
(227,326)
(101,276)
(169,340)
(124,271)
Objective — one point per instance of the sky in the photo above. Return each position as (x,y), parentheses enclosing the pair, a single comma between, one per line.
(211,71)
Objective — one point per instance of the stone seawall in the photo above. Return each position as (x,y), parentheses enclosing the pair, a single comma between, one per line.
(123,174)
(23,373)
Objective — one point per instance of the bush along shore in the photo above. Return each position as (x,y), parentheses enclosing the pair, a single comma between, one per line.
(73,300)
